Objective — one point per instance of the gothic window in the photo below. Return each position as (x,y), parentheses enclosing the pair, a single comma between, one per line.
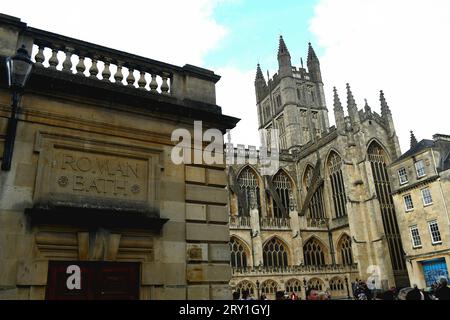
(336,284)
(315,284)
(268,137)
(278,99)
(294,285)
(307,179)
(280,123)
(246,286)
(275,254)
(248,183)
(313,253)
(283,188)
(316,206)
(238,254)
(378,162)
(345,249)
(337,185)
(269,287)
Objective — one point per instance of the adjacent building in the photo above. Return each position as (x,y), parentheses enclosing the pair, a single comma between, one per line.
(420,181)
(92,206)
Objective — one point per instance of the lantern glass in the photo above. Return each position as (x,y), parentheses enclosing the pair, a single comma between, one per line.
(19,68)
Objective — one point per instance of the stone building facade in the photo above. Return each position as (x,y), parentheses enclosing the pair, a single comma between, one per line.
(92,190)
(326,218)
(421,186)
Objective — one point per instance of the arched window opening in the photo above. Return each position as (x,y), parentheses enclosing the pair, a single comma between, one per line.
(345,248)
(238,254)
(269,287)
(246,286)
(294,285)
(315,284)
(316,209)
(283,188)
(334,165)
(313,253)
(336,284)
(378,162)
(275,254)
(248,183)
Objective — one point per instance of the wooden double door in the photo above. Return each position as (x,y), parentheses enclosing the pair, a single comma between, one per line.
(81,280)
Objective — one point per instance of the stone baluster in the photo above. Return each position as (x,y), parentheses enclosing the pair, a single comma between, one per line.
(118,77)
(106,73)
(53,62)
(39,57)
(142,82)
(93,70)
(130,78)
(80,66)
(67,64)
(165,84)
(153,84)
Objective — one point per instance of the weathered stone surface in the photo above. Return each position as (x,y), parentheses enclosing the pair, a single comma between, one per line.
(195,174)
(204,273)
(217,214)
(221,292)
(203,232)
(206,194)
(174,231)
(32,273)
(196,212)
(216,177)
(197,252)
(219,252)
(198,292)
(152,273)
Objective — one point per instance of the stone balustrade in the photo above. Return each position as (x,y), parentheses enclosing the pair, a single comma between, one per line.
(240,222)
(275,223)
(57,53)
(317,223)
(290,270)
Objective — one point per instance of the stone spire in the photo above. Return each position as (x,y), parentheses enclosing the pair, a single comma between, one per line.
(284,60)
(282,48)
(337,102)
(313,65)
(367,107)
(385,111)
(351,106)
(311,53)
(413,140)
(259,75)
(338,111)
(260,84)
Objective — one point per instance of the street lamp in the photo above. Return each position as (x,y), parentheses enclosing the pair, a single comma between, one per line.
(257,289)
(18,70)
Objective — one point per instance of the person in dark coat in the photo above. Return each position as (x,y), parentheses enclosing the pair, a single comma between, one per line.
(442,291)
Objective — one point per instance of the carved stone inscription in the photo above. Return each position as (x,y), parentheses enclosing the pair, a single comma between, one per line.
(92,174)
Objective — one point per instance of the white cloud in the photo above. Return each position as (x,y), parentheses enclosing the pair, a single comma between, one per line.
(173,31)
(399,46)
(236,95)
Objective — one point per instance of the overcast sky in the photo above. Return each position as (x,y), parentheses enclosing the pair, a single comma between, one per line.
(399,46)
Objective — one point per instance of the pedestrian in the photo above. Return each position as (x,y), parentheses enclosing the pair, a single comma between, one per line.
(312,294)
(442,291)
(322,296)
(236,295)
(293,296)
